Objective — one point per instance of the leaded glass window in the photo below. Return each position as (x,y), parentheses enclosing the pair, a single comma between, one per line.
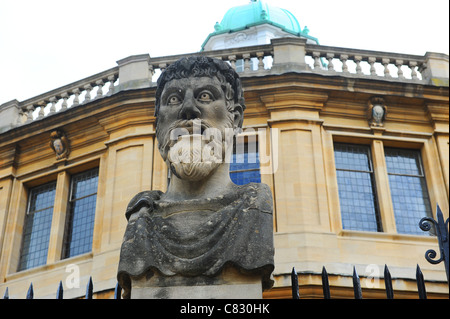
(38,221)
(408,189)
(356,186)
(244,166)
(81,213)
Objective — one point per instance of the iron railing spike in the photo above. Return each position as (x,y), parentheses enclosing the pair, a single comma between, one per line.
(420,283)
(60,291)
(117,292)
(442,229)
(294,284)
(30,293)
(356,284)
(388,283)
(6,294)
(89,289)
(325,284)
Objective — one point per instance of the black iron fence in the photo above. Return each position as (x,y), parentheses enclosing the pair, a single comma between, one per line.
(357,291)
(439,227)
(426,224)
(60,291)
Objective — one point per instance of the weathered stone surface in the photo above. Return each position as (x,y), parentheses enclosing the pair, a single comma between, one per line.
(203,223)
(199,237)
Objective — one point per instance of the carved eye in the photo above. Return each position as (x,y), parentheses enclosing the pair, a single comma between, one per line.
(205,97)
(174,100)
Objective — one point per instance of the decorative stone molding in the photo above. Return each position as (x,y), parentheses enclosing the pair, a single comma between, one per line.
(376,111)
(59,143)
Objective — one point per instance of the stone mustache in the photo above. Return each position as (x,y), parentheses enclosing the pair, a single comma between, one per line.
(203,223)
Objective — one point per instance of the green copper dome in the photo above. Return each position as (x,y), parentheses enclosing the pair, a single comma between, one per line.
(258,12)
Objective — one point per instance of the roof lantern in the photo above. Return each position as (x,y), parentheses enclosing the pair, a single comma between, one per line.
(246,18)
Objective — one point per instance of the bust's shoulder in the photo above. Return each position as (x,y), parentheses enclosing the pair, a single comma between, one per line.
(142,199)
(258,189)
(258,195)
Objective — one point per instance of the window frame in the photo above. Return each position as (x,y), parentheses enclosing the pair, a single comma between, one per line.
(27,219)
(371,173)
(22,189)
(68,228)
(377,145)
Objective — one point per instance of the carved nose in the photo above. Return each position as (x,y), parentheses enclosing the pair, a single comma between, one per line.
(189,110)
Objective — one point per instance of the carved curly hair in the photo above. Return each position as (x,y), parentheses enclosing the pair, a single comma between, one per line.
(199,66)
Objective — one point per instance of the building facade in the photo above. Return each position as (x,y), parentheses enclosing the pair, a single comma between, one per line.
(354,145)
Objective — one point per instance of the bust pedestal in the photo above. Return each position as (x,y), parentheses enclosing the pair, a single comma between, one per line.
(229,284)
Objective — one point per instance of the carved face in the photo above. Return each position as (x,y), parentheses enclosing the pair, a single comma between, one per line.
(378,113)
(194,126)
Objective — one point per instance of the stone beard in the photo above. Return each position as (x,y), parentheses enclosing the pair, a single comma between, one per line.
(193,156)
(203,224)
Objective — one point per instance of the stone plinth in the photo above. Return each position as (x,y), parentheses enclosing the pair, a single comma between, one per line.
(230,284)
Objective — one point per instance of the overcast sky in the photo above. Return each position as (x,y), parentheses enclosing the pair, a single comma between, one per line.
(45,44)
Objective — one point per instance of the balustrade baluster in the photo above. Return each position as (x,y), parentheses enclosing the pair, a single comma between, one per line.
(99,89)
(385,63)
(246,57)
(412,66)
(53,100)
(260,56)
(41,113)
(399,64)
(343,58)
(151,72)
(88,89)
(65,97)
(372,61)
(316,56)
(112,79)
(76,100)
(232,59)
(358,60)
(330,57)
(163,66)
(30,110)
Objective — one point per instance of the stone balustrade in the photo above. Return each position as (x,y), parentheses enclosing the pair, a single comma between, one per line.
(333,60)
(68,96)
(281,55)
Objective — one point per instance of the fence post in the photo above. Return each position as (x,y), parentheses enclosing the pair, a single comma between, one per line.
(89,289)
(30,293)
(420,284)
(294,284)
(60,291)
(442,235)
(356,285)
(117,292)
(388,283)
(325,284)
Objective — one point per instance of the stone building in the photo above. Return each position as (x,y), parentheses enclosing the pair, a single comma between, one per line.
(353,143)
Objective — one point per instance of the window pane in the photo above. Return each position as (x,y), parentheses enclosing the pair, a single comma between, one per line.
(356,188)
(353,157)
(408,190)
(244,167)
(400,161)
(81,214)
(37,226)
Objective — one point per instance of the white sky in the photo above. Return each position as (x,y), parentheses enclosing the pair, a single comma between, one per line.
(45,44)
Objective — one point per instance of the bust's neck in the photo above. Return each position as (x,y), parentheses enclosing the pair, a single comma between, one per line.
(216,184)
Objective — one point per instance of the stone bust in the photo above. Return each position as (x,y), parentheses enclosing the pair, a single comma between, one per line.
(203,222)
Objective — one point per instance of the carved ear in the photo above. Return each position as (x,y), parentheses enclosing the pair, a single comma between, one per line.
(238,113)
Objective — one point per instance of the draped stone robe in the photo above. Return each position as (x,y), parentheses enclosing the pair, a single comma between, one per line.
(199,237)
